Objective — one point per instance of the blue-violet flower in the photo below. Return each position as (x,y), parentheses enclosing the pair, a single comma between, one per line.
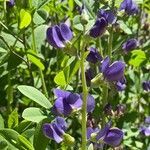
(57,36)
(66,102)
(129,6)
(56,129)
(113,72)
(129,45)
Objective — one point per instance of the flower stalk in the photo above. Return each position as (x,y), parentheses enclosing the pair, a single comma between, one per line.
(85,94)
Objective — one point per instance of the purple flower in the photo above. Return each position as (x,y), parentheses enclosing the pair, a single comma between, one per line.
(57,36)
(146,85)
(98,28)
(147,120)
(90,103)
(90,74)
(110,136)
(145,130)
(108,15)
(129,45)
(94,56)
(66,102)
(129,6)
(91,130)
(121,84)
(10,3)
(56,129)
(113,72)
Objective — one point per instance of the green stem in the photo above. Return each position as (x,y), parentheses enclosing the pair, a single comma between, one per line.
(9,93)
(104,102)
(84,97)
(111,34)
(40,71)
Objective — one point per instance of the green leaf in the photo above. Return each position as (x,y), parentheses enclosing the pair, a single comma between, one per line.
(32,57)
(60,79)
(3,145)
(13,137)
(74,67)
(33,114)
(13,119)
(124,27)
(35,95)
(13,61)
(23,141)
(25,19)
(1,121)
(137,57)
(40,141)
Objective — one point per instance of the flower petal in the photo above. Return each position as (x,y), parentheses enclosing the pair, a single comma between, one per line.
(103,132)
(105,64)
(65,32)
(49,132)
(90,103)
(114,137)
(61,93)
(61,107)
(74,101)
(99,28)
(53,38)
(115,71)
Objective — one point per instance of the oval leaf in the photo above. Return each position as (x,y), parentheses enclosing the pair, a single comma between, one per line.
(35,95)
(33,114)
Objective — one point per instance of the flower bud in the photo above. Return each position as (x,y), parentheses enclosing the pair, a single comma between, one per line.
(68,139)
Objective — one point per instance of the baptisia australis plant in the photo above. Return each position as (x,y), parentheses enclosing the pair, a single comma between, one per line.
(57,36)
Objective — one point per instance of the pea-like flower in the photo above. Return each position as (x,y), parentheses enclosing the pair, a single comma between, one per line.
(144,130)
(121,84)
(108,15)
(66,102)
(94,55)
(57,36)
(110,136)
(129,6)
(146,85)
(129,45)
(114,71)
(98,28)
(56,129)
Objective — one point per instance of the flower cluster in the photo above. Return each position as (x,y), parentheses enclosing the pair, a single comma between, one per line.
(57,36)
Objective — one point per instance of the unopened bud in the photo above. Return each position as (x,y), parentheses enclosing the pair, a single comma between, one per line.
(68,139)
(84,17)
